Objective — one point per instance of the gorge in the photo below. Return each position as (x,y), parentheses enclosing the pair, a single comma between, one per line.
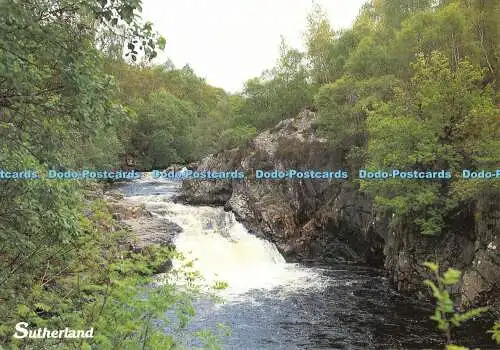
(396,115)
(323,302)
(332,221)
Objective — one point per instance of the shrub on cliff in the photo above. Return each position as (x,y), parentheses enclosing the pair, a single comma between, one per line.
(441,121)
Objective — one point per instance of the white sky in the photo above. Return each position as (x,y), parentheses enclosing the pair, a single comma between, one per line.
(230,41)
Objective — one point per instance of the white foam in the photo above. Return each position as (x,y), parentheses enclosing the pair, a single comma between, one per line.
(222,250)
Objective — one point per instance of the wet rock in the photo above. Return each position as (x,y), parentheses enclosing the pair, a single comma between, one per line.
(213,192)
(482,278)
(124,211)
(93,191)
(306,219)
(147,228)
(150,230)
(113,195)
(331,220)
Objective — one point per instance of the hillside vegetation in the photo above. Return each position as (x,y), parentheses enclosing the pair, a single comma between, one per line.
(411,85)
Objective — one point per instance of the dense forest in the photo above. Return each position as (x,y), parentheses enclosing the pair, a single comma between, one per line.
(412,84)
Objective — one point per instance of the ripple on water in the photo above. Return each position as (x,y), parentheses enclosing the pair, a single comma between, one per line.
(270,304)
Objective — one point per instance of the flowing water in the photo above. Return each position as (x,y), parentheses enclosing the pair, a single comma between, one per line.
(271,304)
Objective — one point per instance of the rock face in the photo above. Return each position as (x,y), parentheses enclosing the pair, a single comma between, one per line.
(481,281)
(147,229)
(318,220)
(332,220)
(470,244)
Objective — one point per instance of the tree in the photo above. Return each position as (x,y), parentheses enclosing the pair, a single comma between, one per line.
(55,106)
(161,134)
(441,121)
(394,12)
(320,46)
(279,93)
(344,107)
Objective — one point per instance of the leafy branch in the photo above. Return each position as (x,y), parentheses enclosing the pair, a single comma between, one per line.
(445,315)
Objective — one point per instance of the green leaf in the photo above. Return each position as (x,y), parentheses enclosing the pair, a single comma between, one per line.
(161,43)
(436,316)
(23,310)
(435,290)
(455,347)
(43,307)
(495,332)
(431,266)
(457,319)
(451,276)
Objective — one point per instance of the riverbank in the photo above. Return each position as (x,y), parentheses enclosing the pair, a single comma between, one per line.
(272,304)
(331,221)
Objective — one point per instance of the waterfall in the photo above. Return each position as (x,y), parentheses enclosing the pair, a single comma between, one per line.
(220,247)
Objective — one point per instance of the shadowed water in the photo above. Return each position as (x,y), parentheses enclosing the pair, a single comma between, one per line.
(271,304)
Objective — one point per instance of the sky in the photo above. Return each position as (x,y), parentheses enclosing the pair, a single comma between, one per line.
(230,41)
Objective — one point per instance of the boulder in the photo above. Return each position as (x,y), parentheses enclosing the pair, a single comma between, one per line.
(332,220)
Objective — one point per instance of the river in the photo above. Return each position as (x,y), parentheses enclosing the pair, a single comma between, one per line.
(272,304)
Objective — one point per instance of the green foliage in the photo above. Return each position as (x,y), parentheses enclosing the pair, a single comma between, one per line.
(411,92)
(104,286)
(431,125)
(344,106)
(221,285)
(212,340)
(202,118)
(160,135)
(445,315)
(495,332)
(54,111)
(394,12)
(455,347)
(62,261)
(237,136)
(320,42)
(278,94)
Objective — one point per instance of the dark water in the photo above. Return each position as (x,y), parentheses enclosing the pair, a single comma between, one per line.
(356,310)
(338,307)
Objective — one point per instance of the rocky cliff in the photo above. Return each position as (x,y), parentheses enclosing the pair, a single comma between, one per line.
(330,220)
